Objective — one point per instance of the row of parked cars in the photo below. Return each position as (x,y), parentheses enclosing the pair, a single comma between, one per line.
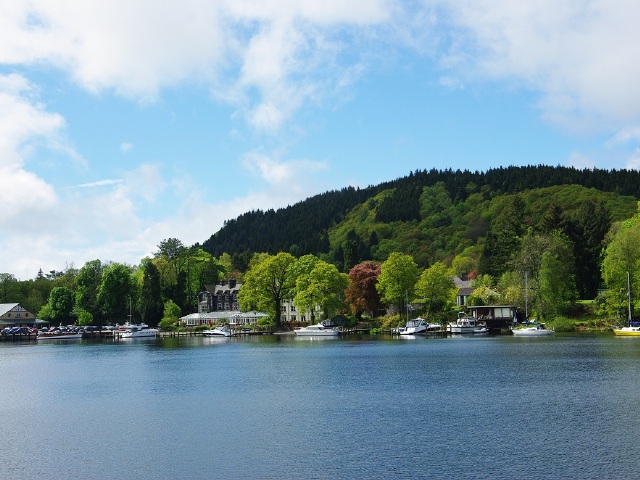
(19,331)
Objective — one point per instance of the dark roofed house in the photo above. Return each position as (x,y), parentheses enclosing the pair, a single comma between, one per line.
(222,297)
(464,290)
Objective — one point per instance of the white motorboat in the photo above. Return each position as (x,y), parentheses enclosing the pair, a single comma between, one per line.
(138,330)
(318,330)
(414,327)
(59,335)
(219,331)
(532,330)
(464,325)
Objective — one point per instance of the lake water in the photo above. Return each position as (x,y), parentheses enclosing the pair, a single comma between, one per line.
(287,408)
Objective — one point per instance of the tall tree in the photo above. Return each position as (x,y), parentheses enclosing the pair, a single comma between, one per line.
(114,293)
(435,289)
(268,284)
(151,306)
(7,284)
(324,286)
(557,278)
(88,283)
(622,256)
(361,294)
(60,305)
(503,239)
(397,279)
(592,222)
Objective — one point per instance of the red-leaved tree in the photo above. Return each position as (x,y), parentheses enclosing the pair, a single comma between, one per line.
(361,295)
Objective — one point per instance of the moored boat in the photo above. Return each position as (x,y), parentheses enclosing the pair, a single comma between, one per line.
(59,335)
(464,325)
(633,328)
(318,330)
(414,327)
(532,330)
(138,330)
(219,331)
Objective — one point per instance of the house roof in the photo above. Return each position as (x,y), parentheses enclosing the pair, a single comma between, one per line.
(7,307)
(465,291)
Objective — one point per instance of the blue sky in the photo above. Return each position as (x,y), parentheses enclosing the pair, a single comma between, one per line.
(126,122)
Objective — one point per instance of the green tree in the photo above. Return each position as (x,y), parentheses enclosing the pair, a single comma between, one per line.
(171,315)
(435,289)
(60,304)
(8,284)
(397,279)
(84,318)
(592,222)
(88,283)
(503,238)
(267,284)
(622,256)
(114,293)
(324,285)
(151,306)
(557,279)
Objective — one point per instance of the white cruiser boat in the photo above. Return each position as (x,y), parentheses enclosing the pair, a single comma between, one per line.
(138,330)
(318,330)
(219,331)
(532,330)
(414,327)
(465,325)
(58,335)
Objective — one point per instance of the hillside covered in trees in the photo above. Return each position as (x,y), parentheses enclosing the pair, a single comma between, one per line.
(546,235)
(474,218)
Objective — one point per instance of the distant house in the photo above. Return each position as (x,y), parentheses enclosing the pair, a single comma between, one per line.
(464,290)
(14,314)
(222,297)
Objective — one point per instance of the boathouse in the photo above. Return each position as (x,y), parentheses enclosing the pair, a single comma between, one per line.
(14,314)
(496,317)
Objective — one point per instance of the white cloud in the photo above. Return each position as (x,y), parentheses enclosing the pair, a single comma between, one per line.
(633,162)
(240,48)
(626,135)
(579,55)
(580,161)
(125,147)
(23,123)
(282,174)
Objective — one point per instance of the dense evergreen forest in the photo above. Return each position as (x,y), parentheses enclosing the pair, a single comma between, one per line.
(320,224)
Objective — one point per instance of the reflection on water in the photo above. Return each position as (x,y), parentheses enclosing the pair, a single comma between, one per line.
(355,407)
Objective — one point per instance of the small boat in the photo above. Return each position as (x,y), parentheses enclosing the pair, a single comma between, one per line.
(138,330)
(464,325)
(59,335)
(414,327)
(632,330)
(532,330)
(318,330)
(219,331)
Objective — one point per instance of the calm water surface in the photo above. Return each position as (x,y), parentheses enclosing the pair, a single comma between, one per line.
(281,407)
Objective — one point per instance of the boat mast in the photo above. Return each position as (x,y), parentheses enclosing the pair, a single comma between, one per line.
(526,297)
(630,313)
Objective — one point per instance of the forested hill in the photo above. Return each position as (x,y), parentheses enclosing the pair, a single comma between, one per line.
(317,224)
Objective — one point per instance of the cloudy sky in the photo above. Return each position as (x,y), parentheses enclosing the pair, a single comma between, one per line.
(125,122)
